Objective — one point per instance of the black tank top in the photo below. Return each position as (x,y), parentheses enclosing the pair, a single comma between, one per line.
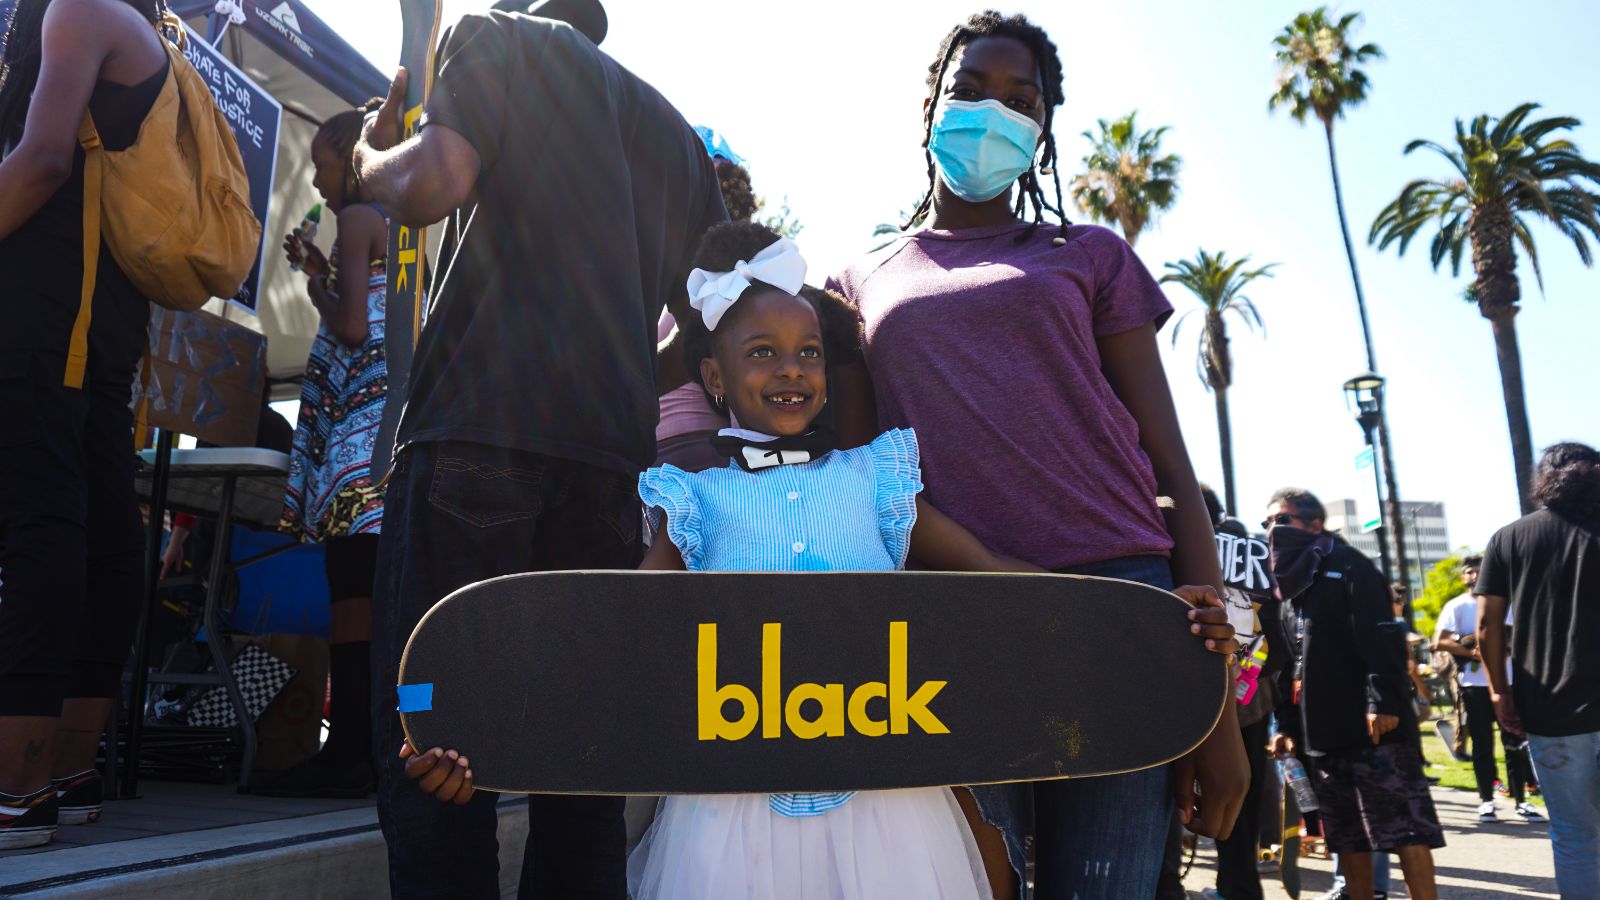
(41,263)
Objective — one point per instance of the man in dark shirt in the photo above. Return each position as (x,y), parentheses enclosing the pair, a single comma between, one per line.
(1358,726)
(577,196)
(1546,567)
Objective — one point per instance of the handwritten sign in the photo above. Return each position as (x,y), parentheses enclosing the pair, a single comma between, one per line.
(254,116)
(1244,563)
(203,377)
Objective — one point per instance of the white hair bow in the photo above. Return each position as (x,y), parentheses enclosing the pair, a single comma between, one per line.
(713,293)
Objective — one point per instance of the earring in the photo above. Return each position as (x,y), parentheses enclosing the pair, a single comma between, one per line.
(718,400)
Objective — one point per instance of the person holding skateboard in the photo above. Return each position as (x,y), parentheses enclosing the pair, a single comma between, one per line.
(578,195)
(762,345)
(1024,354)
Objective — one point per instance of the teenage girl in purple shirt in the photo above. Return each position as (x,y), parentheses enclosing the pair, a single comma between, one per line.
(1024,354)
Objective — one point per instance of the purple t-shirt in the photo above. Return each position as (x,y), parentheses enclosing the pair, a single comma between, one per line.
(988,350)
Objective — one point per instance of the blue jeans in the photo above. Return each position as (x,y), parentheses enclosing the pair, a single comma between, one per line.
(1093,837)
(1568,769)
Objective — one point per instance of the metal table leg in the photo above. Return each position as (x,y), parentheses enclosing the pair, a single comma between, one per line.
(214,638)
(141,656)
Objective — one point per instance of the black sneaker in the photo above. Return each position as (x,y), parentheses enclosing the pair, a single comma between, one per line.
(313,778)
(80,797)
(28,821)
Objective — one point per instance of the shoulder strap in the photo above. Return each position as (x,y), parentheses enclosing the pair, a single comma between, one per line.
(78,346)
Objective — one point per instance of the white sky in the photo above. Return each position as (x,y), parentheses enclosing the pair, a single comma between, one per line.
(823,98)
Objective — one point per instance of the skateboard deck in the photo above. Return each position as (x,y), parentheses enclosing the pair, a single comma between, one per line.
(402,320)
(1289,850)
(673,682)
(1446,730)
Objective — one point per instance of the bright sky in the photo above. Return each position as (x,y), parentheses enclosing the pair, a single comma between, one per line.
(824,100)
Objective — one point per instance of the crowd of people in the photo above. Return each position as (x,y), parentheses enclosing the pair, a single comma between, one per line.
(609,335)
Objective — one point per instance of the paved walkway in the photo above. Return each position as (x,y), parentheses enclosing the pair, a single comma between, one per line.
(1507,859)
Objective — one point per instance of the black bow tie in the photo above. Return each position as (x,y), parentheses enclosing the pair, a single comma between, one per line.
(755,452)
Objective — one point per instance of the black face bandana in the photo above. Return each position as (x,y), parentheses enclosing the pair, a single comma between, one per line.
(753,451)
(1296,554)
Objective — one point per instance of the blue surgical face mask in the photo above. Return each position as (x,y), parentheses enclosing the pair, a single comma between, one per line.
(981,148)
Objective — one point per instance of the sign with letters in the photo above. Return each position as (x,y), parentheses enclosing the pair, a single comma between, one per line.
(254,116)
(1246,571)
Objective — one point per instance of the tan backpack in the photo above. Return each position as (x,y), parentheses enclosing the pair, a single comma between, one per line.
(174,208)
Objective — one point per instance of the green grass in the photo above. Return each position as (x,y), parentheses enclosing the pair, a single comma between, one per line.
(1454,774)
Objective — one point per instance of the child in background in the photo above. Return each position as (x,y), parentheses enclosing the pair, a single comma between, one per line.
(330,495)
(762,346)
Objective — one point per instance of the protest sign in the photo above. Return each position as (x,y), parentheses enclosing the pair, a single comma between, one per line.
(203,377)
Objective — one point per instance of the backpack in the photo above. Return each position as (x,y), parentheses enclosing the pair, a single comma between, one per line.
(174,208)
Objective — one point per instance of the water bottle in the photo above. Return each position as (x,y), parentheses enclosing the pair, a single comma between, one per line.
(308,230)
(1294,775)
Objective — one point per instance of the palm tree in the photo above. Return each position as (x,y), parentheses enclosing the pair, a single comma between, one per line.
(1128,181)
(1319,75)
(1218,284)
(1508,169)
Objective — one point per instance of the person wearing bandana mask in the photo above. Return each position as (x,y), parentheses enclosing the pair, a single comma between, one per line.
(1357,726)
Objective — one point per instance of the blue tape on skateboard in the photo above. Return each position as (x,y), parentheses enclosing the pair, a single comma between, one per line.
(415,698)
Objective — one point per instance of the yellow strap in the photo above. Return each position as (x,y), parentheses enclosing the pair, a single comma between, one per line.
(78,348)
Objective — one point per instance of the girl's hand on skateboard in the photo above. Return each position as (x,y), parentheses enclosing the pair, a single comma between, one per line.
(1209,618)
(442,773)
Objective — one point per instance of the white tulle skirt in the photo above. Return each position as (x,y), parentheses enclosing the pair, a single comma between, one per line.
(911,844)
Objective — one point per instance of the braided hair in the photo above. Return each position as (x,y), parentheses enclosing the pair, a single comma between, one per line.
(339,135)
(720,250)
(19,68)
(990,23)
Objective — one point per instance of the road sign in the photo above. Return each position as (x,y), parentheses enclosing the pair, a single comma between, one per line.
(1369,509)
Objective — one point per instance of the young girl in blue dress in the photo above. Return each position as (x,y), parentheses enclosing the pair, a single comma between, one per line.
(789,500)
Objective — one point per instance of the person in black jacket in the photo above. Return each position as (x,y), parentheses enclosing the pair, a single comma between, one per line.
(1358,725)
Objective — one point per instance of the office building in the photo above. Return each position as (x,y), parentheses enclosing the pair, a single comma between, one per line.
(1427,533)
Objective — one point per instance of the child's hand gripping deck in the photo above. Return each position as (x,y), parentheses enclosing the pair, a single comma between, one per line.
(669,683)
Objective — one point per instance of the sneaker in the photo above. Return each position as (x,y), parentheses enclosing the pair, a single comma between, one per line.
(80,797)
(1486,812)
(1211,894)
(27,821)
(1501,789)
(1338,893)
(1529,812)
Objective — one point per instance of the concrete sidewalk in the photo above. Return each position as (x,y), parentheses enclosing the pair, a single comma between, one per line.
(1508,859)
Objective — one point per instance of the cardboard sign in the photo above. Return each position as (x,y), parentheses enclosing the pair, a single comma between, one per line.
(254,116)
(1244,563)
(1245,571)
(203,377)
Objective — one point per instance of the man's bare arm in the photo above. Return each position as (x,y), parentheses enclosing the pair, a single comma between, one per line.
(421,180)
(1492,641)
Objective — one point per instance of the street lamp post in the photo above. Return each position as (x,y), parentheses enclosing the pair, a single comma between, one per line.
(1364,393)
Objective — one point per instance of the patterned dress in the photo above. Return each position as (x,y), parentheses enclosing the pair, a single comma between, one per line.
(330,492)
(849,510)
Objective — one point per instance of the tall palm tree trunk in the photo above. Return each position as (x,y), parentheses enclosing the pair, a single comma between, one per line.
(1225,441)
(1504,324)
(1350,250)
(1396,527)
